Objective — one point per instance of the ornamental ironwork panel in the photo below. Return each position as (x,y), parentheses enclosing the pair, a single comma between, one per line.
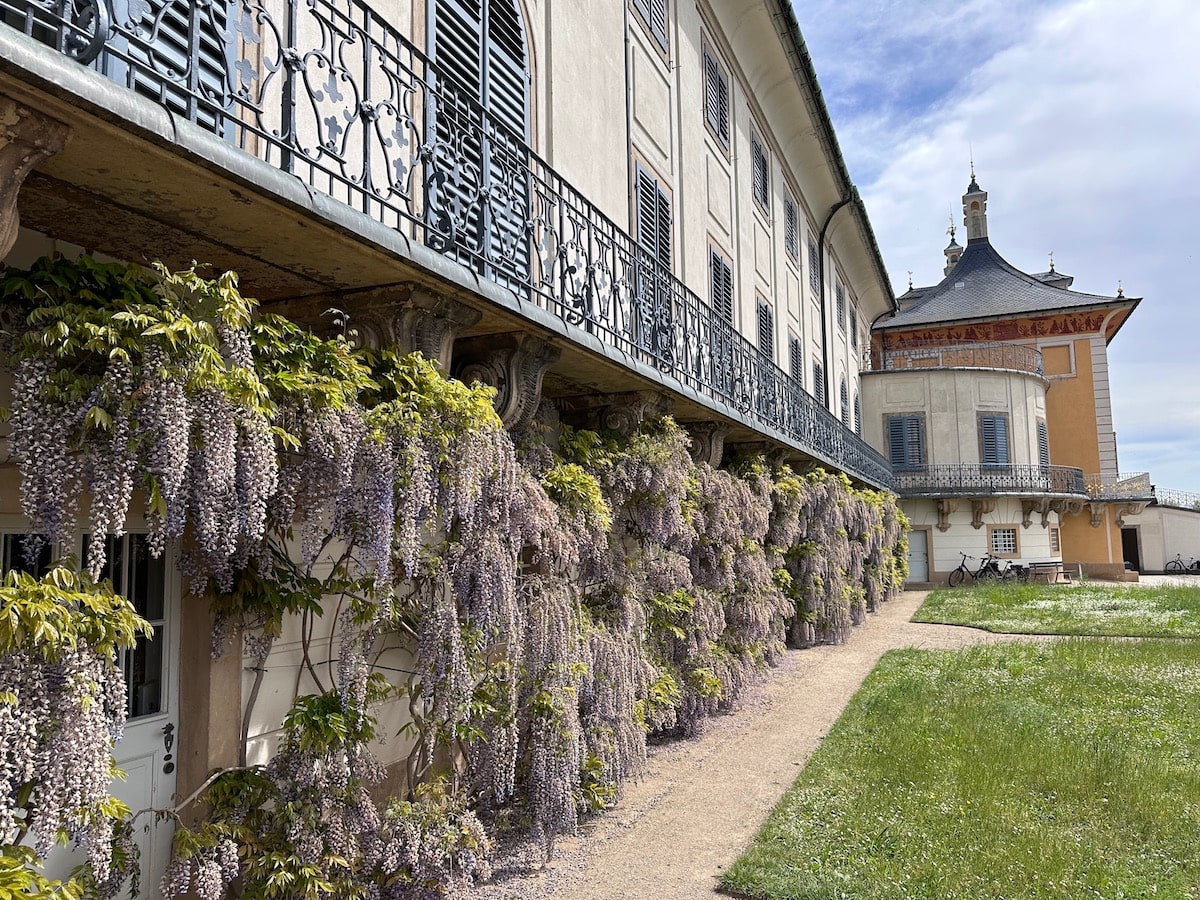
(331,92)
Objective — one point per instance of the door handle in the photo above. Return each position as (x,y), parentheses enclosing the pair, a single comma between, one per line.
(168,732)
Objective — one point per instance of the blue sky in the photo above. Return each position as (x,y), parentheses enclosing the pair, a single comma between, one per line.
(1084,122)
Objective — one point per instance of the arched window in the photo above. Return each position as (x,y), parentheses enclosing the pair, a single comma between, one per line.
(478,192)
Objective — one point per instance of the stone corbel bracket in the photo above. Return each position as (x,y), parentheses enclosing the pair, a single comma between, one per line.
(515,365)
(1029,507)
(411,317)
(980,507)
(708,442)
(945,508)
(1132,508)
(26,138)
(1097,513)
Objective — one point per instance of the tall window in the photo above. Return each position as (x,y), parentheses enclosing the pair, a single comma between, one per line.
(653,324)
(853,328)
(720,284)
(766,329)
(13,557)
(844,397)
(791,228)
(760,173)
(818,390)
(716,98)
(654,16)
(906,442)
(993,441)
(840,294)
(814,266)
(796,359)
(857,414)
(482,206)
(653,218)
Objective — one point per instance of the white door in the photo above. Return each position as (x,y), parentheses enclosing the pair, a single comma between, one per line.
(918,556)
(148,751)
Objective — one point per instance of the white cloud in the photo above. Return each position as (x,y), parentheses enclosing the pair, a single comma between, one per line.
(1084,121)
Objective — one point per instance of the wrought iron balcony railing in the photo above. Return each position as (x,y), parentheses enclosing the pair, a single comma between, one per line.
(1178,499)
(1120,487)
(969,356)
(967,480)
(330,92)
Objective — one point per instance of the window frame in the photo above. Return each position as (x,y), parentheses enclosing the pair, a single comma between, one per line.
(906,464)
(814,267)
(1055,540)
(760,164)
(660,33)
(764,312)
(791,228)
(993,530)
(796,358)
(723,307)
(997,463)
(715,79)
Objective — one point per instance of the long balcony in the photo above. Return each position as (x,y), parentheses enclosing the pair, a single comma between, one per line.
(958,356)
(332,95)
(1120,488)
(978,480)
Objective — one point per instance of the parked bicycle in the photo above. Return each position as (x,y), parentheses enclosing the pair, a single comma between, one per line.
(989,570)
(1177,566)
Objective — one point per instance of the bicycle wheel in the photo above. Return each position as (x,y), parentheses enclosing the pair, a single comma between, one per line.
(956,577)
(1174,567)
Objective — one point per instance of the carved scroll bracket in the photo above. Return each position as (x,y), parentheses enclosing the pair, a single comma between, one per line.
(1097,513)
(708,441)
(26,138)
(513,364)
(1132,508)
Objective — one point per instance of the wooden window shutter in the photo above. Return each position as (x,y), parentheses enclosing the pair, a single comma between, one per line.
(653,218)
(766,330)
(796,360)
(994,440)
(791,228)
(1043,438)
(720,276)
(716,98)
(814,266)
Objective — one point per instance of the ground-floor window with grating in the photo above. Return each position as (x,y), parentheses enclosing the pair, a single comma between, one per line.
(1055,541)
(1003,540)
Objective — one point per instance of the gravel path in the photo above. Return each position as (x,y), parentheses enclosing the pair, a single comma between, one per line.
(701,802)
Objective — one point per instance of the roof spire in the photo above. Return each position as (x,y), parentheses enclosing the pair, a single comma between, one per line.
(975,210)
(1120,289)
(953,250)
(1051,260)
(910,287)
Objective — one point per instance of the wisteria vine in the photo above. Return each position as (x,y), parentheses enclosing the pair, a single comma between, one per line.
(565,597)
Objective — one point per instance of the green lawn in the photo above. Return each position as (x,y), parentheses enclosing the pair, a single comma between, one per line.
(1086,609)
(1068,769)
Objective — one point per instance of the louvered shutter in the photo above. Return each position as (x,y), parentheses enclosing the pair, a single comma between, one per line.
(791,228)
(199,91)
(766,330)
(857,415)
(654,218)
(761,174)
(844,397)
(819,382)
(994,440)
(1043,437)
(840,294)
(720,286)
(655,14)
(814,266)
(796,360)
(479,49)
(906,443)
(716,97)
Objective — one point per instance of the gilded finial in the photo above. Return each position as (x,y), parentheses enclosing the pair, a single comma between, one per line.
(951,230)
(910,286)
(1051,260)
(1120,289)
